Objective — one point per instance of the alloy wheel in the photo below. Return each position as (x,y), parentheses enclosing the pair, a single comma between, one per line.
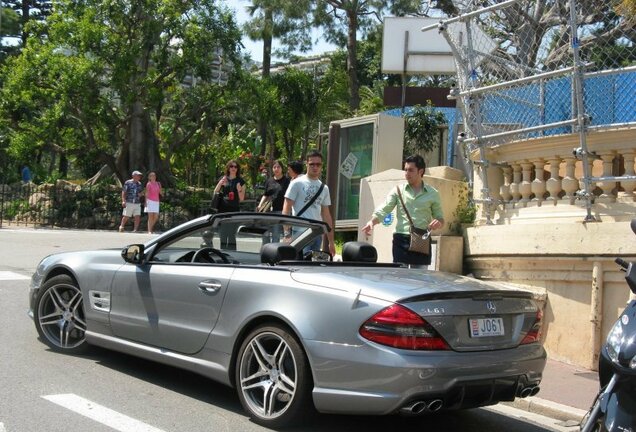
(268,375)
(60,316)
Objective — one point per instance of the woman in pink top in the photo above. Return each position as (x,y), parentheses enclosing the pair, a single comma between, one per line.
(152,192)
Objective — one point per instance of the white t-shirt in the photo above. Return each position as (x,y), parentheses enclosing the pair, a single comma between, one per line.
(301,190)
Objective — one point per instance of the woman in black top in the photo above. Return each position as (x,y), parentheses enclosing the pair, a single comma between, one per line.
(275,188)
(232,189)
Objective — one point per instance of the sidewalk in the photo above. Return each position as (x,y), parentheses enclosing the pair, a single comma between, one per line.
(567,392)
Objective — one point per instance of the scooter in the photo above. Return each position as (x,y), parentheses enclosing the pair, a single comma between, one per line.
(614,409)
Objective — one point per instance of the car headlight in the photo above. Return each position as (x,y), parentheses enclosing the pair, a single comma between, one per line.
(614,341)
(632,364)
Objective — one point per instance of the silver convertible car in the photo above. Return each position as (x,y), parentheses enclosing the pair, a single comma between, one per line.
(224,296)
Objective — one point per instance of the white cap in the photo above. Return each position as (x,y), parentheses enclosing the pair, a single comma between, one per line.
(135,172)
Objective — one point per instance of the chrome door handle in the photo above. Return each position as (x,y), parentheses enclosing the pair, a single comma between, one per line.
(209,286)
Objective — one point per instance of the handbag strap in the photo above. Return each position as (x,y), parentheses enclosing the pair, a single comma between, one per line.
(404,207)
(311,201)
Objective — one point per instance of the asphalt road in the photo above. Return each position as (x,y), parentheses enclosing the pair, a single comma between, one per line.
(41,390)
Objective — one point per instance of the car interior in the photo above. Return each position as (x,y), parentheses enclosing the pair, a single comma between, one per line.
(255,243)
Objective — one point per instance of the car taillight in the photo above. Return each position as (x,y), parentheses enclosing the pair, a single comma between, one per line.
(534,334)
(400,327)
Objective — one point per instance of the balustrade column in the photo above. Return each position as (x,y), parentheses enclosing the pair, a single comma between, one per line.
(569,183)
(504,190)
(590,168)
(516,182)
(538,184)
(628,185)
(553,185)
(607,186)
(525,188)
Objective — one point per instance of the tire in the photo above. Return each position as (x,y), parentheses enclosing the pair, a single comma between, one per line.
(273,378)
(59,315)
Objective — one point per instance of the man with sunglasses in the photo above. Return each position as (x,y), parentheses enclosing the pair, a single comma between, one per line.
(301,192)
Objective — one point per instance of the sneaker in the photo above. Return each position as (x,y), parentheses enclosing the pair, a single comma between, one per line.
(121,229)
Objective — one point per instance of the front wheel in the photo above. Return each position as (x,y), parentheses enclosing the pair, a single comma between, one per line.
(273,378)
(59,315)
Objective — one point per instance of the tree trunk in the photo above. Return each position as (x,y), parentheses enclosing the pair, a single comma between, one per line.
(267,62)
(104,172)
(352,66)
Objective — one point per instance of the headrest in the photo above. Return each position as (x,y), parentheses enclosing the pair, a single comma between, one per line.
(273,253)
(359,252)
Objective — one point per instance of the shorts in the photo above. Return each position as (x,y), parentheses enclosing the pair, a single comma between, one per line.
(152,206)
(132,210)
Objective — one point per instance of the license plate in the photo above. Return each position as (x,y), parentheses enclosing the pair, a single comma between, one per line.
(484,327)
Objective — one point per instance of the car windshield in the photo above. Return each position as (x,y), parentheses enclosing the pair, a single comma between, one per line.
(237,239)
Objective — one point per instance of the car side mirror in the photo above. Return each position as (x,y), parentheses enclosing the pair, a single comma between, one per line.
(133,254)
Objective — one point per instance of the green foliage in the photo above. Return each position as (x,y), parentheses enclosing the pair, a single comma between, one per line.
(15,207)
(465,212)
(10,22)
(106,79)
(421,133)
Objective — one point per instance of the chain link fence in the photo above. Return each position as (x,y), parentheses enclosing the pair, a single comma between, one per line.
(535,68)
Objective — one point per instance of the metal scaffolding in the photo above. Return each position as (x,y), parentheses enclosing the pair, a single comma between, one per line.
(517,79)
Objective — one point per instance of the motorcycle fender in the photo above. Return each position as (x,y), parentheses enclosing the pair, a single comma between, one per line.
(620,412)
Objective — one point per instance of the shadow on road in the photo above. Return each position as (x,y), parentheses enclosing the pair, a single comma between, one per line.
(220,396)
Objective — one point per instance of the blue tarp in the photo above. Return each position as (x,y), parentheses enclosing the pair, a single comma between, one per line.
(608,99)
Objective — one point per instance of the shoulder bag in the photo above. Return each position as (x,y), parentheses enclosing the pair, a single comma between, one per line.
(420,237)
(216,202)
(311,201)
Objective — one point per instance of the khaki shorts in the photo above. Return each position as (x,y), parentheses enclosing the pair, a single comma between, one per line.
(132,210)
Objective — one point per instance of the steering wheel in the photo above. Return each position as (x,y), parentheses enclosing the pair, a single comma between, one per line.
(204,255)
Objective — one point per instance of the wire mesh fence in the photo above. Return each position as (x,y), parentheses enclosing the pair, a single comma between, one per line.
(535,68)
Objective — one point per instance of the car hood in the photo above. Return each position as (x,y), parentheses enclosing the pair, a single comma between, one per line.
(394,284)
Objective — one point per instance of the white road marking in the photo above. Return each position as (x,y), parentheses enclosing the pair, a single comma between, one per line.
(100,414)
(7,275)
(2,429)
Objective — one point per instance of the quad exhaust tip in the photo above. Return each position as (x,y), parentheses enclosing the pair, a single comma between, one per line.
(528,391)
(421,407)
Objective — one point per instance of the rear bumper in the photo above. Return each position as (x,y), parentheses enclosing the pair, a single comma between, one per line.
(370,379)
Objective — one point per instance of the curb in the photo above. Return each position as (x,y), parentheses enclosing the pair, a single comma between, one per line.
(548,408)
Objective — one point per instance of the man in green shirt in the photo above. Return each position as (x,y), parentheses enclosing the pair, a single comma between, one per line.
(423,204)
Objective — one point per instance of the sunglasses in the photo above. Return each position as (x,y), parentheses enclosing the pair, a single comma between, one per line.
(315,164)
(233,166)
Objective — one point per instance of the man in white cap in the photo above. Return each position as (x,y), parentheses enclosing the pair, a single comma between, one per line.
(131,201)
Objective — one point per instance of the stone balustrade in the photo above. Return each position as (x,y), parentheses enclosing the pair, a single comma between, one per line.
(542,176)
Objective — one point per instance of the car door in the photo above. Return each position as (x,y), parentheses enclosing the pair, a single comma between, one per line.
(169,306)
(169,303)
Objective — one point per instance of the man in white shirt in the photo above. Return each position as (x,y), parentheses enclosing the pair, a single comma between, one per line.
(302,190)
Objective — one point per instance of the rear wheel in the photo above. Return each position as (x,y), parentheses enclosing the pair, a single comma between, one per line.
(273,378)
(59,315)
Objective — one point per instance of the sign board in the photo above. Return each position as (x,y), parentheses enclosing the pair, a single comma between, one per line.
(426,53)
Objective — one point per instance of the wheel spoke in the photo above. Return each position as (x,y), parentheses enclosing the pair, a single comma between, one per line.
(79,323)
(57,315)
(287,384)
(279,354)
(64,334)
(269,399)
(76,302)
(57,299)
(260,353)
(253,380)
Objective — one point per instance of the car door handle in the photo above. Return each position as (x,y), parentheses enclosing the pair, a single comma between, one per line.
(209,286)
